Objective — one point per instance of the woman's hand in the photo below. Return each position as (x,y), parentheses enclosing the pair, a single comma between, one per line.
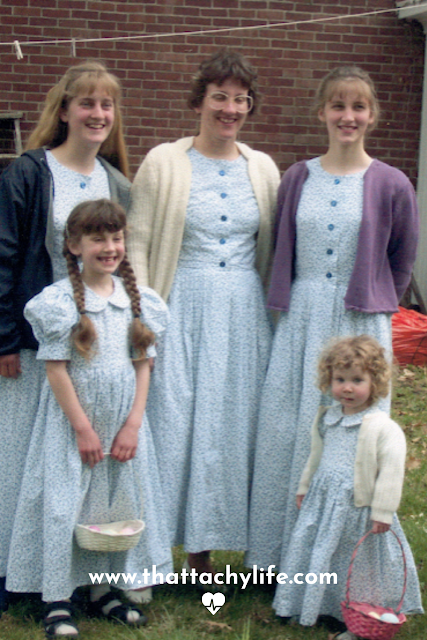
(126,441)
(89,446)
(379,527)
(300,498)
(10,365)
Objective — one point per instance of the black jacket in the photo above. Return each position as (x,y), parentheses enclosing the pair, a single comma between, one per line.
(26,198)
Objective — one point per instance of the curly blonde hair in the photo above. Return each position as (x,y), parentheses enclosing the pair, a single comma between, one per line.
(359,351)
(100,216)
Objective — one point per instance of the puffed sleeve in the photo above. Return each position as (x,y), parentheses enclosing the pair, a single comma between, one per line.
(154,314)
(52,315)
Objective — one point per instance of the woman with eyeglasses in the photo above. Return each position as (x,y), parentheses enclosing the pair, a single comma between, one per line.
(201,226)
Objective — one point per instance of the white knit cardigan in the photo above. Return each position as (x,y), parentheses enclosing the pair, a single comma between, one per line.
(160,194)
(379,465)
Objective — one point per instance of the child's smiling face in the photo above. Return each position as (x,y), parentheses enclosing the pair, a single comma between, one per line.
(101,253)
(352,387)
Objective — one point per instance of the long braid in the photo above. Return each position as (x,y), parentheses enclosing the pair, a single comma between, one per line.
(84,333)
(141,336)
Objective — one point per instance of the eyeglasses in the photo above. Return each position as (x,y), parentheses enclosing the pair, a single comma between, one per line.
(218,100)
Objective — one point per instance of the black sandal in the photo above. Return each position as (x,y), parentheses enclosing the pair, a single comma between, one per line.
(4,596)
(118,612)
(52,623)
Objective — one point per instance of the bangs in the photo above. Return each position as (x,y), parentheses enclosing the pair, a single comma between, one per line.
(91,81)
(96,216)
(347,361)
(238,75)
(102,221)
(341,87)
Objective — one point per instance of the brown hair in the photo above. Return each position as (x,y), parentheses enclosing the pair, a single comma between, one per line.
(341,75)
(100,216)
(51,131)
(223,65)
(360,351)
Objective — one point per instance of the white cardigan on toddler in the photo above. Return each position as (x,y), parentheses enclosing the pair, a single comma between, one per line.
(379,465)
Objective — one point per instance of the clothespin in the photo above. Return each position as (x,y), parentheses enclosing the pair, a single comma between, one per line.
(18,50)
(73,48)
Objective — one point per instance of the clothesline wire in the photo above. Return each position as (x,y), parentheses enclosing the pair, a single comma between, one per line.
(73,41)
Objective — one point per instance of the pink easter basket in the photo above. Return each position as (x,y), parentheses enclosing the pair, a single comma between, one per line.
(356,614)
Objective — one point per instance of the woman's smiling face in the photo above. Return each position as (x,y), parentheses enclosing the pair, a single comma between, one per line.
(90,117)
(348,113)
(224,124)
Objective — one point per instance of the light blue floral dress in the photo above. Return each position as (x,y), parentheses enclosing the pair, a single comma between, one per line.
(328,221)
(326,533)
(19,398)
(204,395)
(58,490)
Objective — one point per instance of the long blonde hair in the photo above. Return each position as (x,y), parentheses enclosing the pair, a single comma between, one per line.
(100,216)
(51,131)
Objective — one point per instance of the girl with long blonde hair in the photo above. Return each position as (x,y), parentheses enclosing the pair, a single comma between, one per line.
(75,153)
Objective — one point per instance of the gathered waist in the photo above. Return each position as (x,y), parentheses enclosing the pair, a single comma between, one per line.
(220,266)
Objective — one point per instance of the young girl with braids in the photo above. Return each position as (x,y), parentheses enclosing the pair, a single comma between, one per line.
(91,456)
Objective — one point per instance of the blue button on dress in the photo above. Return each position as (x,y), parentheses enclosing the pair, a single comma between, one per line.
(67,193)
(57,489)
(290,397)
(204,393)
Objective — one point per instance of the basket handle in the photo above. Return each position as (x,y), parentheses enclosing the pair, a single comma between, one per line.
(350,569)
(141,495)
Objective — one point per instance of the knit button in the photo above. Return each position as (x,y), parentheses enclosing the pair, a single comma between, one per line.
(329,252)
(337,181)
(222,264)
(331,227)
(334,203)
(222,172)
(222,241)
(223,195)
(329,275)
(83,185)
(223,218)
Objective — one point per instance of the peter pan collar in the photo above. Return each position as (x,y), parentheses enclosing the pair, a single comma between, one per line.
(334,415)
(95,303)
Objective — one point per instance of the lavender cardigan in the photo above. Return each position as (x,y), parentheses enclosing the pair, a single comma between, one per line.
(386,247)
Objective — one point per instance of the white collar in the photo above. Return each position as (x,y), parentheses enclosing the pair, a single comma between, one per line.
(334,415)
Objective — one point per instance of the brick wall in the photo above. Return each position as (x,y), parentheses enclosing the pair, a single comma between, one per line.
(155,72)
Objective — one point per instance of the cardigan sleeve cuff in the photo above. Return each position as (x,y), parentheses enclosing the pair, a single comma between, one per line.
(381,515)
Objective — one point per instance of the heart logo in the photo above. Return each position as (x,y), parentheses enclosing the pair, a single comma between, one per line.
(213,601)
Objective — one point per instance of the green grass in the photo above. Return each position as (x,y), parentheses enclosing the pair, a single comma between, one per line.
(177,613)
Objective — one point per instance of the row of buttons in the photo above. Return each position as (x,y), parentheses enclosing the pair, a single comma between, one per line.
(331,227)
(223,218)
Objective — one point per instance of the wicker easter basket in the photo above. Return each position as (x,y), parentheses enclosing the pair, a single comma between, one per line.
(358,615)
(121,535)
(109,537)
